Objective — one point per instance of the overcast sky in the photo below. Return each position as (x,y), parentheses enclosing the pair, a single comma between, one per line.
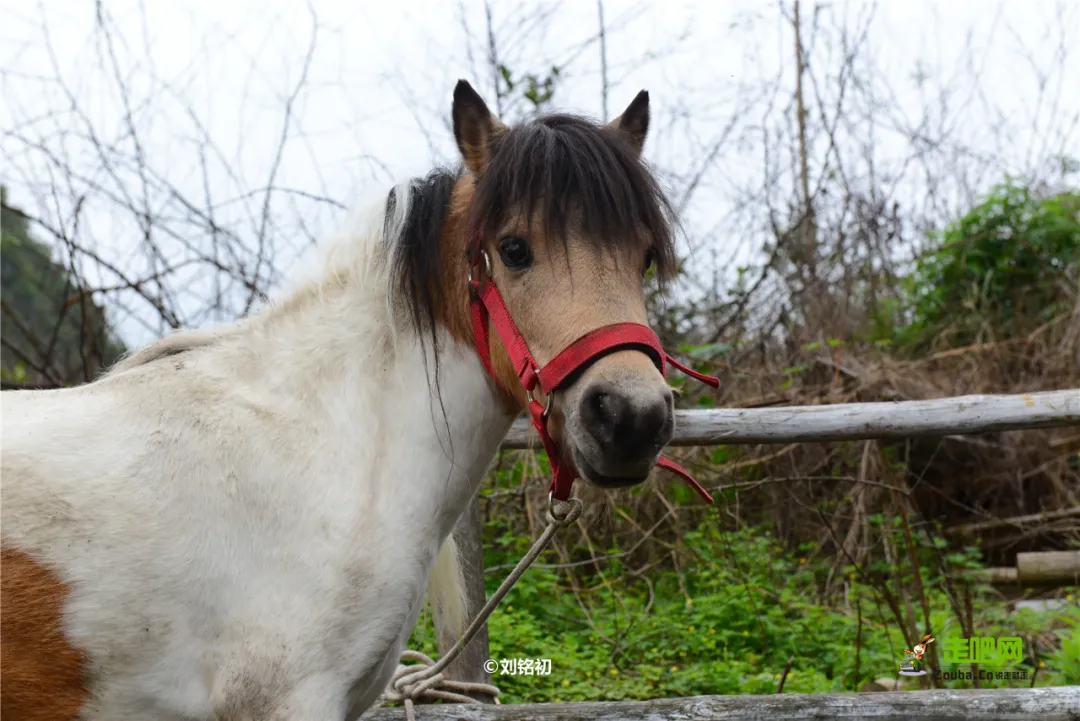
(374,105)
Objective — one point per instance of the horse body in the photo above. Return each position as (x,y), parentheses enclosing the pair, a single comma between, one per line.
(274,511)
(239,523)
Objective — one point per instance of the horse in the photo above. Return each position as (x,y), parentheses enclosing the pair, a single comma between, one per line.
(243,521)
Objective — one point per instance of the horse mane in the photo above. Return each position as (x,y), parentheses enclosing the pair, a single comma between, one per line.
(416,212)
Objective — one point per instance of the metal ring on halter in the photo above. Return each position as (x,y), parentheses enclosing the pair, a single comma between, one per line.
(571,506)
(547,406)
(487,265)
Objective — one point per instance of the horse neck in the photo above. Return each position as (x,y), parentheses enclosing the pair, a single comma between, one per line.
(420,441)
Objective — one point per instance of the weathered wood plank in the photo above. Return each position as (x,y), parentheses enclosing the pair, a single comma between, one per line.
(1045,704)
(854,421)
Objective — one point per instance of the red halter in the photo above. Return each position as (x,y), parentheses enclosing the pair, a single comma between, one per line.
(487,303)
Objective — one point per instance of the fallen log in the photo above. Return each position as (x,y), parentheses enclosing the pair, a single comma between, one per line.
(1006,704)
(1048,567)
(1038,568)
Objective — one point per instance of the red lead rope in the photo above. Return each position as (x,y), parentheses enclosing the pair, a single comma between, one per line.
(486,303)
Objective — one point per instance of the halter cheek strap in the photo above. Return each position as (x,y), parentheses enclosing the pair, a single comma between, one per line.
(488,309)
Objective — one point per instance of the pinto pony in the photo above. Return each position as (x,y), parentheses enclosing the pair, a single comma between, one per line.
(240,523)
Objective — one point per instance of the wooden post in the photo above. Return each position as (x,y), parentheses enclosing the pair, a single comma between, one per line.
(469,666)
(1058,703)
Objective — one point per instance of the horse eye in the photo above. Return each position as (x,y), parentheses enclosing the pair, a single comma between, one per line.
(515,252)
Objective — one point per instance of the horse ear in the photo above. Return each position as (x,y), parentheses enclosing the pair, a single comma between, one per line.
(634,121)
(475,128)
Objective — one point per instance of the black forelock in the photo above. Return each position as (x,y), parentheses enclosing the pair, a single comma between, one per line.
(571,174)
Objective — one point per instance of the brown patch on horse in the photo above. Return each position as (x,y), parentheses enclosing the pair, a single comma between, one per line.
(42,674)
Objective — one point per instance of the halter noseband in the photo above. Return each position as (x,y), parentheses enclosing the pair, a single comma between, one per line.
(486,303)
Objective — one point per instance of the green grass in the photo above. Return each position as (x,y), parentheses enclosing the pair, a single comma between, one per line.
(728,626)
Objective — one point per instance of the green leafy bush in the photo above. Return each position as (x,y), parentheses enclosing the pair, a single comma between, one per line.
(1001,271)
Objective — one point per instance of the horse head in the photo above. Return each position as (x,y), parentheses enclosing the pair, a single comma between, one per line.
(562,224)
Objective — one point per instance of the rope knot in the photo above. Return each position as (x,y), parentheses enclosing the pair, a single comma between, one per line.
(563,513)
(424,681)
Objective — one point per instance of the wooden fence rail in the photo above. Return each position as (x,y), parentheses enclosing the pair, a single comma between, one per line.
(855,421)
(1005,704)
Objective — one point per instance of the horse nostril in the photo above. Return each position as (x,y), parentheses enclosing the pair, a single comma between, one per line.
(631,430)
(650,424)
(603,411)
